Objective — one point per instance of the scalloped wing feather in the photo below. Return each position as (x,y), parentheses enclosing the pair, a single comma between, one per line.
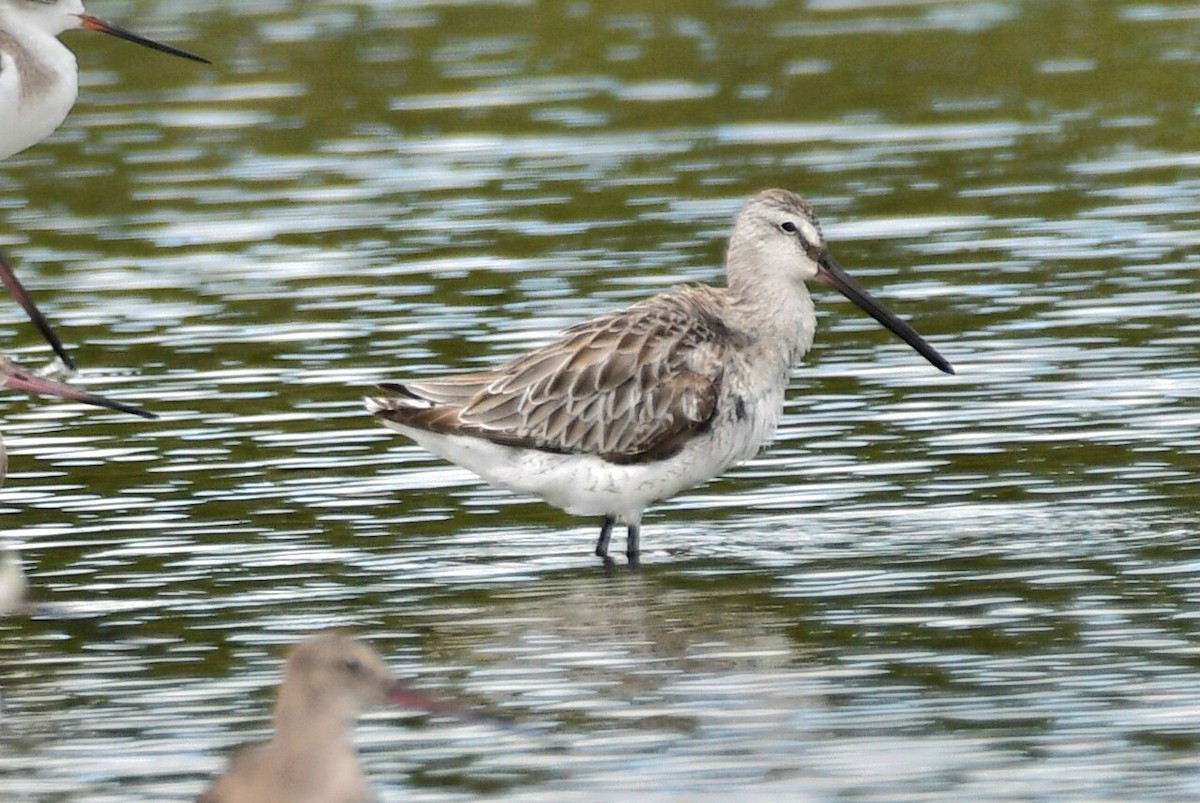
(631,386)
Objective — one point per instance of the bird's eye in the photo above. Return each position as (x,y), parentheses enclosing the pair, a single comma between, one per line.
(788,226)
(352,665)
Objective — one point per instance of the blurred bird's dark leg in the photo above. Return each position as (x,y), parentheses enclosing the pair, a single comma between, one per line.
(605,537)
(633,544)
(18,291)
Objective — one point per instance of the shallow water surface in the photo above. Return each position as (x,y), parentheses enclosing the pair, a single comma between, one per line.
(928,588)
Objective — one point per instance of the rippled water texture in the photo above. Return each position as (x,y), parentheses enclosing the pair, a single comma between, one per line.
(930,587)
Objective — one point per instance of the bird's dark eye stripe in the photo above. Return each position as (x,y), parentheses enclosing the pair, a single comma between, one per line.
(788,226)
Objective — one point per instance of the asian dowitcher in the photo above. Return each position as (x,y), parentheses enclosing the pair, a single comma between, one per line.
(637,405)
(329,680)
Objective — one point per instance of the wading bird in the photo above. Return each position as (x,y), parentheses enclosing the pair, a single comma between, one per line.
(329,680)
(39,81)
(637,405)
(39,78)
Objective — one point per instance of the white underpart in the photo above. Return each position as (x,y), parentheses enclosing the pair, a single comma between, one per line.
(769,318)
(39,86)
(588,485)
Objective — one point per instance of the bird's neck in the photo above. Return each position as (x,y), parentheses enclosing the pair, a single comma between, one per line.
(304,720)
(775,307)
(315,746)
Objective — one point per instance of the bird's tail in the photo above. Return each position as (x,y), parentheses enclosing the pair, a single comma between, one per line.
(400,401)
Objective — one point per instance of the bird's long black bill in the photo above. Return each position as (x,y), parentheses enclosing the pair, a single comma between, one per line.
(18,379)
(96,24)
(830,272)
(17,290)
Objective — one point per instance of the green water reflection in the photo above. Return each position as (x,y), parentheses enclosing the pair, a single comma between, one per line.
(928,588)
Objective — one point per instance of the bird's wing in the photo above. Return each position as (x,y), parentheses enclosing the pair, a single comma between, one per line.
(630,386)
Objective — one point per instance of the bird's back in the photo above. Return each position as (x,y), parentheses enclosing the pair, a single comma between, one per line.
(630,386)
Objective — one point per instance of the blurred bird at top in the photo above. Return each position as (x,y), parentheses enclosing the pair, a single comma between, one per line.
(39,78)
(39,81)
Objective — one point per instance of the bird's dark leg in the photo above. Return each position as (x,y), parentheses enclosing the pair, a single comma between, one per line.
(633,544)
(605,536)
